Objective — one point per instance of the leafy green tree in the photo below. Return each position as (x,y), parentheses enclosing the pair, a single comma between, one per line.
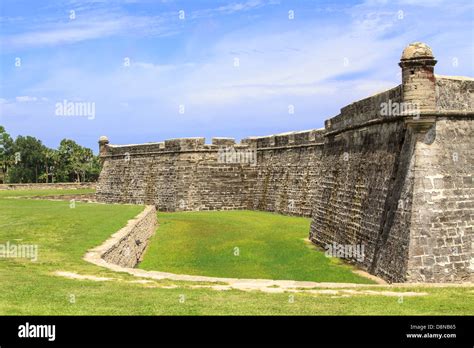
(77,163)
(51,157)
(28,160)
(6,153)
(93,170)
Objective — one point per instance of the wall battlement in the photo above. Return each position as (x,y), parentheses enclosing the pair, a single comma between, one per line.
(391,172)
(301,138)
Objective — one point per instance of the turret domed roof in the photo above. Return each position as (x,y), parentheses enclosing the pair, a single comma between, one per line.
(417,50)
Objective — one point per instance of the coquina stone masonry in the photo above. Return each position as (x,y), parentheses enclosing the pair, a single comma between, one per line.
(126,247)
(392,172)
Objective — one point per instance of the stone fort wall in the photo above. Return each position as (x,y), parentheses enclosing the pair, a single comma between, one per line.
(398,184)
(278,173)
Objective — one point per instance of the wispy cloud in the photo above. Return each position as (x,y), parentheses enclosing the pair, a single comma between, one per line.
(93,20)
(63,34)
(231,8)
(25,98)
(92,26)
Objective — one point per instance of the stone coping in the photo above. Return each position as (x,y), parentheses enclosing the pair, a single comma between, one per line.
(461,78)
(119,239)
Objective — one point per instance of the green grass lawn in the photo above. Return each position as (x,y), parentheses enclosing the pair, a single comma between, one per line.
(63,235)
(46,192)
(242,244)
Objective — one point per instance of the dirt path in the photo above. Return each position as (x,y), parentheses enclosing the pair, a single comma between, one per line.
(269,286)
(264,285)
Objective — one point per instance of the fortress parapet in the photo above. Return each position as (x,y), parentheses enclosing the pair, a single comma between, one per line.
(223,141)
(289,139)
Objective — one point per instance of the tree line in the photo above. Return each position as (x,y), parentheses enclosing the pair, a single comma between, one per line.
(26,160)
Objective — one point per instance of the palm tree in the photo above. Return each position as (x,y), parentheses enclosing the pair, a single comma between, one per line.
(51,159)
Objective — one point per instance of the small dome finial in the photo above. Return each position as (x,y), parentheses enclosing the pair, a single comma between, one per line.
(103,139)
(417,50)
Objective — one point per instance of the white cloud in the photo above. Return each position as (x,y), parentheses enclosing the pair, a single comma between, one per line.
(231,8)
(89,27)
(292,63)
(160,68)
(233,94)
(62,35)
(241,6)
(26,99)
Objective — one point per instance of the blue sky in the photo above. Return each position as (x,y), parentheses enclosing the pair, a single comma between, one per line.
(234,67)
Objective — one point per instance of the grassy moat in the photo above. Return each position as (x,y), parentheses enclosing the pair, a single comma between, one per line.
(64,234)
(242,244)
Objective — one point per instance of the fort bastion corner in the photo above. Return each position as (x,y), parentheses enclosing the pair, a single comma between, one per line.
(391,172)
